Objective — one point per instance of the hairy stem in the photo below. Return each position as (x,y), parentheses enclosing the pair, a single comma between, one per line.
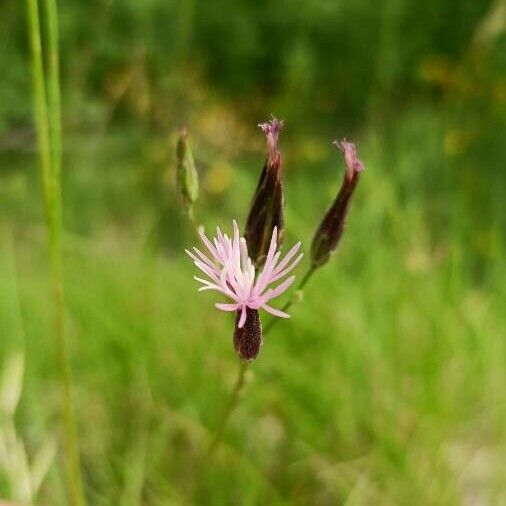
(47,118)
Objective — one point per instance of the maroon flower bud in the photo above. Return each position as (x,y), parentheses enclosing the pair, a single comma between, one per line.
(248,338)
(331,228)
(267,207)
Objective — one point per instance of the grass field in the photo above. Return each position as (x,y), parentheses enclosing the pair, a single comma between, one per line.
(385,387)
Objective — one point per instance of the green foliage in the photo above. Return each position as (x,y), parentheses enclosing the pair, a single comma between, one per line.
(330,57)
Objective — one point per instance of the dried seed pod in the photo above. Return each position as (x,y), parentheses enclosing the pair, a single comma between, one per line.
(267,208)
(187,176)
(328,234)
(248,338)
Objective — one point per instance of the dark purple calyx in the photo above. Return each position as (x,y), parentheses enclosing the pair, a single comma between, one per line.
(248,339)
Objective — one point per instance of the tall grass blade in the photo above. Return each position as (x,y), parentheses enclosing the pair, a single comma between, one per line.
(48,124)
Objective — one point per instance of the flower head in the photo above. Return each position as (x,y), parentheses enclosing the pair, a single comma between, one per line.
(231,272)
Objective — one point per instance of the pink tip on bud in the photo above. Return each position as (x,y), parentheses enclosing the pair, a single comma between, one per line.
(272,127)
(349,150)
(271,130)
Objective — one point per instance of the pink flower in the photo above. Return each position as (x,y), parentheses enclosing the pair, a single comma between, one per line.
(231,272)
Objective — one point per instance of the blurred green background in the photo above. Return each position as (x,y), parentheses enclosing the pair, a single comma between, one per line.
(387,385)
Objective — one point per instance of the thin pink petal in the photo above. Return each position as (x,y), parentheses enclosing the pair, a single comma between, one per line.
(242,319)
(231,272)
(207,284)
(236,246)
(276,292)
(284,272)
(204,258)
(287,259)
(265,276)
(209,245)
(226,307)
(212,273)
(210,286)
(191,255)
(274,311)
(219,235)
(236,229)
(272,247)
(228,286)
(262,280)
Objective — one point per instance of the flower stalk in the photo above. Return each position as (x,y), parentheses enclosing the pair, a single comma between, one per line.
(231,268)
(239,385)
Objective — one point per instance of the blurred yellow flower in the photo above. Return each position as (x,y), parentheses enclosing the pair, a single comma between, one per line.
(437,70)
(314,150)
(219,178)
(418,260)
(456,142)
(499,91)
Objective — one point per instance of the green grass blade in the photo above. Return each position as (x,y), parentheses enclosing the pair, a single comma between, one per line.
(48,124)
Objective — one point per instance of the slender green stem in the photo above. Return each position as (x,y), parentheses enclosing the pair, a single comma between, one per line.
(190,212)
(40,103)
(54,98)
(232,403)
(47,119)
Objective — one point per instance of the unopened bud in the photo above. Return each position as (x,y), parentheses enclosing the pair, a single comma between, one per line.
(328,234)
(267,208)
(187,177)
